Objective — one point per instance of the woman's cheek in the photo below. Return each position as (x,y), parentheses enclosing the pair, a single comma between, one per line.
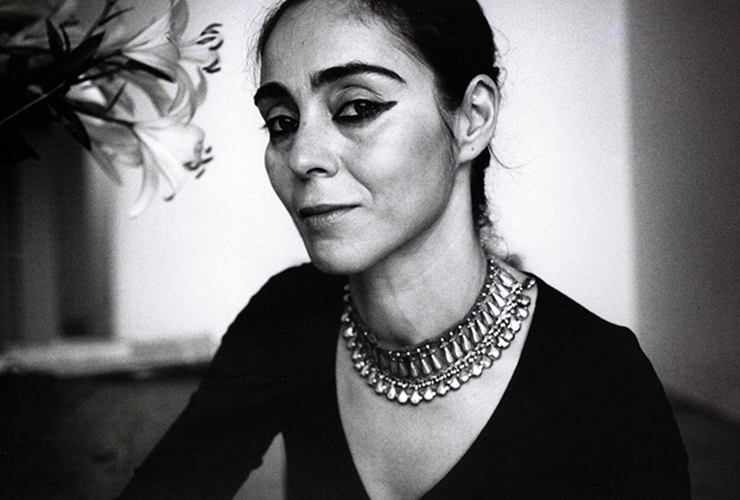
(279,176)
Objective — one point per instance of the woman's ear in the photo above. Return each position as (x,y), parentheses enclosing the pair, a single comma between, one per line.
(476,118)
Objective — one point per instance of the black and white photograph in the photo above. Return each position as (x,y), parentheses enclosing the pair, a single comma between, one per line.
(369,249)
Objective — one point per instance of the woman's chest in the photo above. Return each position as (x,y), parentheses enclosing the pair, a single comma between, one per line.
(404,457)
(403,451)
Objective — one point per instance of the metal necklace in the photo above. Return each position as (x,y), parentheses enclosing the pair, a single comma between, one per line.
(433,368)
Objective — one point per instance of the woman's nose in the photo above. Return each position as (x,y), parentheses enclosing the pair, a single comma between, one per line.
(312,152)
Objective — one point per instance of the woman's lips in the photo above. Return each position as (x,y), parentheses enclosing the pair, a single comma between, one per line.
(323,216)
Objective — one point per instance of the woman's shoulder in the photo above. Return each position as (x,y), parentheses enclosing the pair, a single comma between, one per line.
(299,291)
(586,387)
(587,353)
(566,322)
(578,358)
(294,317)
(291,305)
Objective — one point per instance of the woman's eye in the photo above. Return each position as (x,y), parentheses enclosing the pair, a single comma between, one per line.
(280,125)
(360,110)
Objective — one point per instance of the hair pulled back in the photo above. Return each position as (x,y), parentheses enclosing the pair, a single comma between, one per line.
(456,42)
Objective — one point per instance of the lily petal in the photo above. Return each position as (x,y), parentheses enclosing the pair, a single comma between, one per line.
(149,187)
(176,149)
(114,146)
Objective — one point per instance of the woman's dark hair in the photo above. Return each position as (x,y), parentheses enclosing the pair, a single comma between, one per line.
(452,37)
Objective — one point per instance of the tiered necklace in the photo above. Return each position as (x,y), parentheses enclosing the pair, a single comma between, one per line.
(433,368)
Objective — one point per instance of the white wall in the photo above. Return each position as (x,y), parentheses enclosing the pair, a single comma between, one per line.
(188,266)
(564,203)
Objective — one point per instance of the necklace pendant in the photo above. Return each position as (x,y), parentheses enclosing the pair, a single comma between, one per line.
(442,388)
(415,397)
(429,394)
(391,393)
(515,325)
(488,320)
(494,309)
(402,397)
(381,387)
(449,356)
(478,330)
(485,361)
(436,364)
(506,279)
(494,352)
(522,312)
(346,329)
(414,371)
(466,344)
(426,369)
(508,334)
(500,302)
(456,350)
(403,371)
(502,290)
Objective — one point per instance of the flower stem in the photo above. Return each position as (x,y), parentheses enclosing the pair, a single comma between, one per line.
(33,103)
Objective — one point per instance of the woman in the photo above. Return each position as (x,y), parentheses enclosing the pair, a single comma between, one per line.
(405,362)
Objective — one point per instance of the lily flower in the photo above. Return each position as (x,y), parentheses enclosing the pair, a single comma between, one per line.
(126,95)
(156,46)
(202,54)
(171,150)
(114,146)
(160,47)
(168,149)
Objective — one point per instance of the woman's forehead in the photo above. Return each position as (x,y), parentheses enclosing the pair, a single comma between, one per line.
(313,36)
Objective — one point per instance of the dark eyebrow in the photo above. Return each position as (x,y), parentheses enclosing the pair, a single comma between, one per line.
(326,77)
(335,73)
(270,90)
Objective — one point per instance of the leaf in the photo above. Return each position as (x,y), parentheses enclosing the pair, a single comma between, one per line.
(72,122)
(109,18)
(80,59)
(136,65)
(67,43)
(56,44)
(115,99)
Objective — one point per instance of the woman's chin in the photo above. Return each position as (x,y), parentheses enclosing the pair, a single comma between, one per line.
(338,261)
(335,265)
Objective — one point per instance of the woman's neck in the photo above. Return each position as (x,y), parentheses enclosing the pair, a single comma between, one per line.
(407,300)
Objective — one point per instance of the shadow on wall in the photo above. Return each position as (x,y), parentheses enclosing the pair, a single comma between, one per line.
(685,86)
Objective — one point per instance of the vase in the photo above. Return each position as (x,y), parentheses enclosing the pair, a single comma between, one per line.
(55,250)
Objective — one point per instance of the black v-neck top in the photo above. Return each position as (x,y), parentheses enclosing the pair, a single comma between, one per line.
(584,416)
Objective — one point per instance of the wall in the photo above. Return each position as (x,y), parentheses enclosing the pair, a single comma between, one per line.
(564,201)
(686,156)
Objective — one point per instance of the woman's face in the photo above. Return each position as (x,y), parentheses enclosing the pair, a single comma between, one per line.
(358,151)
